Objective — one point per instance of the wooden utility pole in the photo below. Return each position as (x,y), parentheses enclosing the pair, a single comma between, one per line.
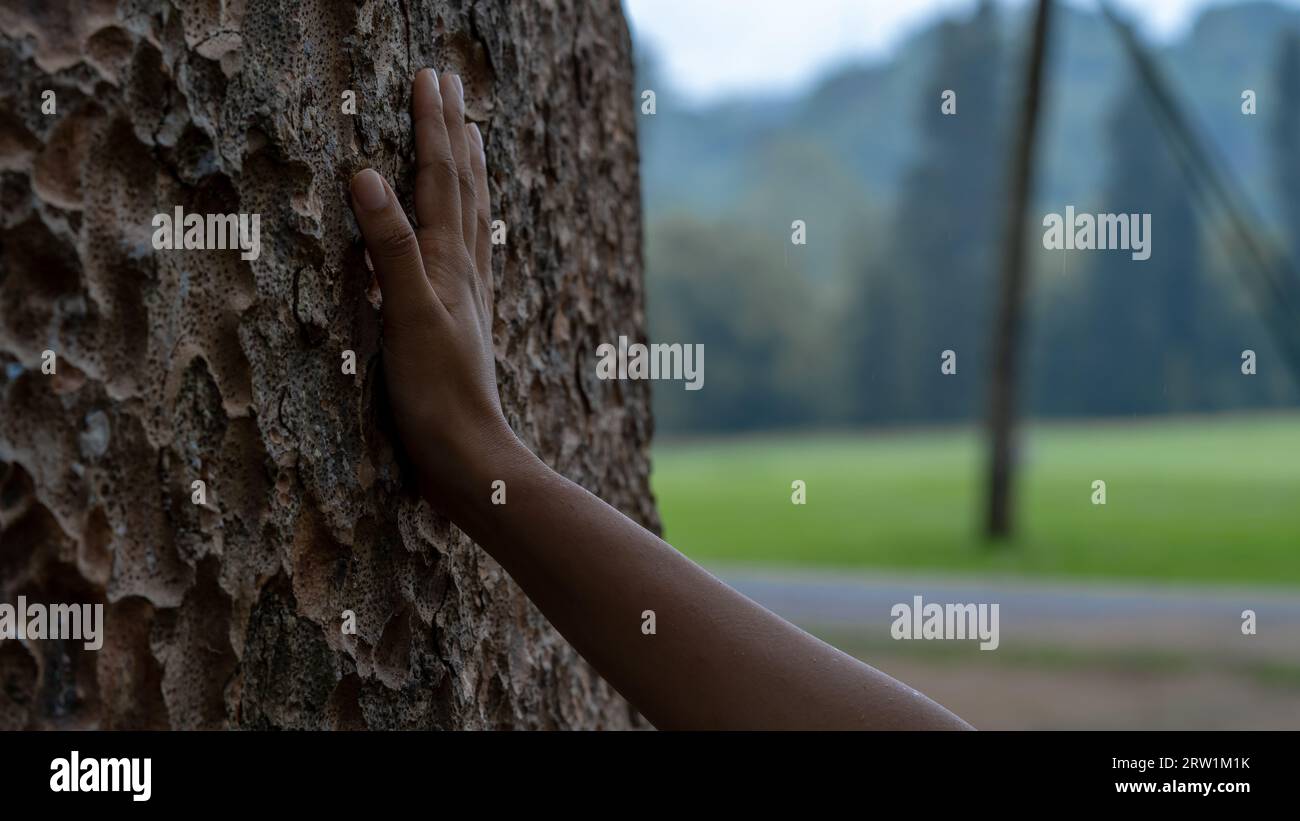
(1002,389)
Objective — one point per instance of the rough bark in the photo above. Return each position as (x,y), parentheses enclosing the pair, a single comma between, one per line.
(182,365)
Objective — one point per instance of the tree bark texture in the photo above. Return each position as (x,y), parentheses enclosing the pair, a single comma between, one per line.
(177,366)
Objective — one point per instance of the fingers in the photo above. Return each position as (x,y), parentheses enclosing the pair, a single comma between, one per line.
(437,190)
(482,215)
(445,189)
(453,112)
(393,251)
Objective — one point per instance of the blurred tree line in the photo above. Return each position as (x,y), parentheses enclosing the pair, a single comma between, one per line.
(903,207)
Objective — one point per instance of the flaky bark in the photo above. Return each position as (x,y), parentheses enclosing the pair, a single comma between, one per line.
(176,366)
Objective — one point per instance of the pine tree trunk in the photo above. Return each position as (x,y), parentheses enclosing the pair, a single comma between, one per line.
(180,366)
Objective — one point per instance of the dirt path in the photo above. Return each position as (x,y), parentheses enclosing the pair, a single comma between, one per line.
(1070,655)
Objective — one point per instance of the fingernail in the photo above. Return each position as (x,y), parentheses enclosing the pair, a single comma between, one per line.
(460,87)
(368,190)
(433,74)
(478,136)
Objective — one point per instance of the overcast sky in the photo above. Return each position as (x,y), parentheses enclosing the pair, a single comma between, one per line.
(712,48)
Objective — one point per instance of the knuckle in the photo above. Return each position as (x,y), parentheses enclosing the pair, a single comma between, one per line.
(447,166)
(395,240)
(467,190)
(442,246)
(441,164)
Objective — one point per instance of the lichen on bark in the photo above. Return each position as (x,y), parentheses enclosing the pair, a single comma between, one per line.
(199,365)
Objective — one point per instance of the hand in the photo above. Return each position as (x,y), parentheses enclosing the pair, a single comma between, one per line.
(437,295)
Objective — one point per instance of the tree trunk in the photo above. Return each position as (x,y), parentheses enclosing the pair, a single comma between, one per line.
(177,366)
(1008,327)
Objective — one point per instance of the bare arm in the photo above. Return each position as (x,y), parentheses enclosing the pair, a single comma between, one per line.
(717,659)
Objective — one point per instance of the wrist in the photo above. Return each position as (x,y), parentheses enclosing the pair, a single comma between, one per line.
(479,477)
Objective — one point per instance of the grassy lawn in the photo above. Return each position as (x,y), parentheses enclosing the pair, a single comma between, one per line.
(1208,500)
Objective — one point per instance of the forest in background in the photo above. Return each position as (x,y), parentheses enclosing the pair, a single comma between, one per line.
(903,208)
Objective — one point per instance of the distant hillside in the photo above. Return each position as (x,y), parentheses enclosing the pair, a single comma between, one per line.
(862,119)
(904,210)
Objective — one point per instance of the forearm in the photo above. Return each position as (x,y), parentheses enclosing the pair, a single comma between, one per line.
(715,660)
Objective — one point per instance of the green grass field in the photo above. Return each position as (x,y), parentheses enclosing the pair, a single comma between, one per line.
(1207,500)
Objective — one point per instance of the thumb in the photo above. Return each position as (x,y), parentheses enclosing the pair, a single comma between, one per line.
(393,250)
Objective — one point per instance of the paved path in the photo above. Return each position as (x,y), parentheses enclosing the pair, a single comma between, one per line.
(860,602)
(1071,655)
